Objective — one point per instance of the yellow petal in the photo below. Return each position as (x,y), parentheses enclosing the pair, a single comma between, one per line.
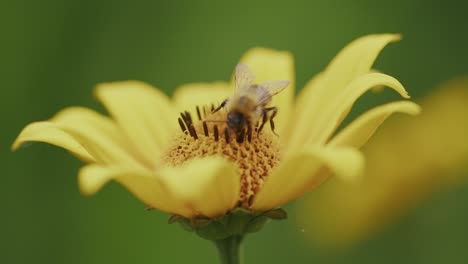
(270,65)
(357,58)
(301,172)
(340,107)
(142,183)
(84,132)
(209,185)
(48,132)
(99,134)
(307,97)
(360,130)
(143,112)
(187,97)
(305,114)
(93,177)
(319,95)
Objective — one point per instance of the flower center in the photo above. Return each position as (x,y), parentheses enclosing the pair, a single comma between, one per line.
(255,154)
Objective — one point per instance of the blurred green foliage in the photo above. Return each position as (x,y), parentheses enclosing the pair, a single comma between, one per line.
(54,52)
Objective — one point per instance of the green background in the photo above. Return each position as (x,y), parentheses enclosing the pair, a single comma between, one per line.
(54,52)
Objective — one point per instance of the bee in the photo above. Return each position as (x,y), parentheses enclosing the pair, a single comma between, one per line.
(250,101)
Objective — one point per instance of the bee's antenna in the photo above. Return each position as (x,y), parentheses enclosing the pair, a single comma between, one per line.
(214,110)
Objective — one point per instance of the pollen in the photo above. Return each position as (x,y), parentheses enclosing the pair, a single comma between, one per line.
(255,154)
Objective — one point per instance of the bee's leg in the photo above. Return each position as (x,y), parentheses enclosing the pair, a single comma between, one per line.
(241,136)
(249,132)
(220,106)
(274,111)
(264,120)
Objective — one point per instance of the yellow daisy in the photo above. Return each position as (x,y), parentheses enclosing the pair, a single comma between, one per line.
(407,161)
(162,152)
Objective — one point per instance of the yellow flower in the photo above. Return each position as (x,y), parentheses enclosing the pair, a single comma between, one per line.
(407,160)
(195,171)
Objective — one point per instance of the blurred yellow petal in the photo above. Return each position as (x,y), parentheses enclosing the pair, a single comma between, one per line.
(188,96)
(270,65)
(210,185)
(48,132)
(303,171)
(142,183)
(360,130)
(408,159)
(144,113)
(320,94)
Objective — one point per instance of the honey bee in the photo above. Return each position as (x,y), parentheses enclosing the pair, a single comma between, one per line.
(250,101)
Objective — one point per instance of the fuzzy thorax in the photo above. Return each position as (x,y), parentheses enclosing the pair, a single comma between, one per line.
(255,154)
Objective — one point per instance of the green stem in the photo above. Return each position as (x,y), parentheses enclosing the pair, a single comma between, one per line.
(229,249)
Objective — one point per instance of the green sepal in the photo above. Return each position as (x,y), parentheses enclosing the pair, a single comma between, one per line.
(185,224)
(173,219)
(213,230)
(235,223)
(276,214)
(256,224)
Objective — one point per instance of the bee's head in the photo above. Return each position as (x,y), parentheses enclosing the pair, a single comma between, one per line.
(236,121)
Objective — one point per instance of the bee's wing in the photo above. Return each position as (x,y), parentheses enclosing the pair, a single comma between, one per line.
(244,78)
(269,89)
